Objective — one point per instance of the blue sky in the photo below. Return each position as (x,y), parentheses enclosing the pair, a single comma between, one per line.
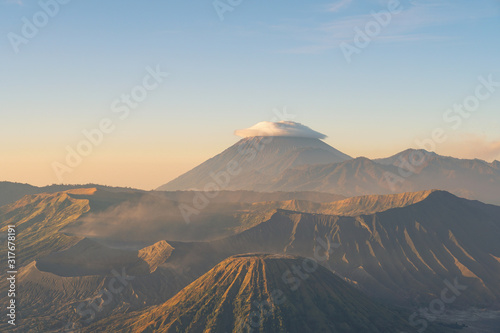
(231,74)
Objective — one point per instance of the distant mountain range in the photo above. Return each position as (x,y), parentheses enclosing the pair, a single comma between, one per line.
(11,192)
(472,179)
(304,164)
(255,160)
(258,166)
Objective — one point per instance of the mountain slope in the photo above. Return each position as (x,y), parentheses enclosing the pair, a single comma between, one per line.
(298,164)
(408,171)
(38,219)
(249,293)
(470,178)
(367,204)
(161,215)
(41,218)
(89,281)
(49,222)
(252,161)
(243,196)
(11,192)
(359,176)
(401,254)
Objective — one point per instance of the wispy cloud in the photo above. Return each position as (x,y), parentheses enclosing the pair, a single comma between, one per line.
(337,6)
(420,20)
(417,15)
(14,2)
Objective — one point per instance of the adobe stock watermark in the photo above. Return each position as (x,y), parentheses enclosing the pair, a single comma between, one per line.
(420,319)
(221,179)
(121,108)
(373,28)
(223,6)
(453,118)
(31,27)
(88,309)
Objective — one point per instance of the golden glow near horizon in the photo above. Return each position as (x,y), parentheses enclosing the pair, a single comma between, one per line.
(147,164)
(190,80)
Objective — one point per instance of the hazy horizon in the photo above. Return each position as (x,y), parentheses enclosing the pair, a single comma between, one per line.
(189,167)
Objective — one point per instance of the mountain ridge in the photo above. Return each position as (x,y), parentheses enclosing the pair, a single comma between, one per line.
(402,254)
(257,158)
(407,171)
(223,300)
(472,179)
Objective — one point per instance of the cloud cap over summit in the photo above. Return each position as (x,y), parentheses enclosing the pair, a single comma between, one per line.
(281,128)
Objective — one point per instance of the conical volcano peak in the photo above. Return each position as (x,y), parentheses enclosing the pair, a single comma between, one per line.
(266,150)
(297,294)
(258,160)
(280,128)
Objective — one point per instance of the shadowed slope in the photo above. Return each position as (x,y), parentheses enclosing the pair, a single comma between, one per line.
(370,204)
(88,257)
(408,171)
(90,281)
(401,254)
(248,293)
(11,192)
(114,217)
(254,160)
(41,218)
(161,217)
(242,196)
(367,204)
(38,219)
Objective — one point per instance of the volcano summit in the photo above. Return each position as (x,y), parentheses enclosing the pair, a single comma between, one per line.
(266,150)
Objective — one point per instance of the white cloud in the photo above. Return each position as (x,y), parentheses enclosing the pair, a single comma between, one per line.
(420,20)
(281,128)
(15,2)
(338,5)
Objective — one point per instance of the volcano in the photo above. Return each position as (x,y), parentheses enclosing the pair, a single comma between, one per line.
(263,293)
(255,161)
